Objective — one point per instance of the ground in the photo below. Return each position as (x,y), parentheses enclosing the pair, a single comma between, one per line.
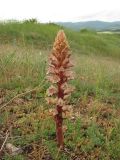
(91,128)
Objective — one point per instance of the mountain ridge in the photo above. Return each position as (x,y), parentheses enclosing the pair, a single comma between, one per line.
(96,25)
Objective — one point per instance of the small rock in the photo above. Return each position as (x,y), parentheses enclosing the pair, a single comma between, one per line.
(73,119)
(13,150)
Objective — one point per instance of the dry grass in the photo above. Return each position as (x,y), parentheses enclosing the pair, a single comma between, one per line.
(92,129)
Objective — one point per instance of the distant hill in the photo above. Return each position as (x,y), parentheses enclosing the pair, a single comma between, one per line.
(96,25)
(41,36)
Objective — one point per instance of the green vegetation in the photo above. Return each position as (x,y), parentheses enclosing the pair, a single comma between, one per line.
(93,127)
(42,36)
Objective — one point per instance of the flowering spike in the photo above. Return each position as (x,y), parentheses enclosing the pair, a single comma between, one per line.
(58,74)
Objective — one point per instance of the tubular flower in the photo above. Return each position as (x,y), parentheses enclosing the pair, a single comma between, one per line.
(58,74)
(51,90)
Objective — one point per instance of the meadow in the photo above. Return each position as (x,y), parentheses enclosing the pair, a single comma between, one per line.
(92,128)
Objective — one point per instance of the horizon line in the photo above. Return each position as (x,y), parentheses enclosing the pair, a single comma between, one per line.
(49,21)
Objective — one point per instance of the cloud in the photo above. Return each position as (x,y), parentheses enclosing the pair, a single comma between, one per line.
(60,10)
(113,15)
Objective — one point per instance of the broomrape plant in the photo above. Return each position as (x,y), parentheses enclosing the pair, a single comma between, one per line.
(59,74)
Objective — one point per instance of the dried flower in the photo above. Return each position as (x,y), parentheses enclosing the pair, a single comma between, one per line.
(51,90)
(55,112)
(69,75)
(60,102)
(53,78)
(67,96)
(66,108)
(69,89)
(51,100)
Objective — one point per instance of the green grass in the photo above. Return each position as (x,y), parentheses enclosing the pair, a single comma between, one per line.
(95,132)
(42,36)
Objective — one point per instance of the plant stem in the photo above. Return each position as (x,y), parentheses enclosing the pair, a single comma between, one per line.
(59,118)
(59,130)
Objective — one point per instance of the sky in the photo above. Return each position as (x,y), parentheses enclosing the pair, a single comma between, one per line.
(60,10)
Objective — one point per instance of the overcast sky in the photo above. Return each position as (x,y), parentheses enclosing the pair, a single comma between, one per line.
(60,10)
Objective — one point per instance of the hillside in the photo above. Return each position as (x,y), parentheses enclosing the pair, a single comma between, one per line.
(42,36)
(95,25)
(91,127)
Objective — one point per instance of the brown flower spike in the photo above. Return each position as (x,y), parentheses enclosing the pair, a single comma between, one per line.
(58,74)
